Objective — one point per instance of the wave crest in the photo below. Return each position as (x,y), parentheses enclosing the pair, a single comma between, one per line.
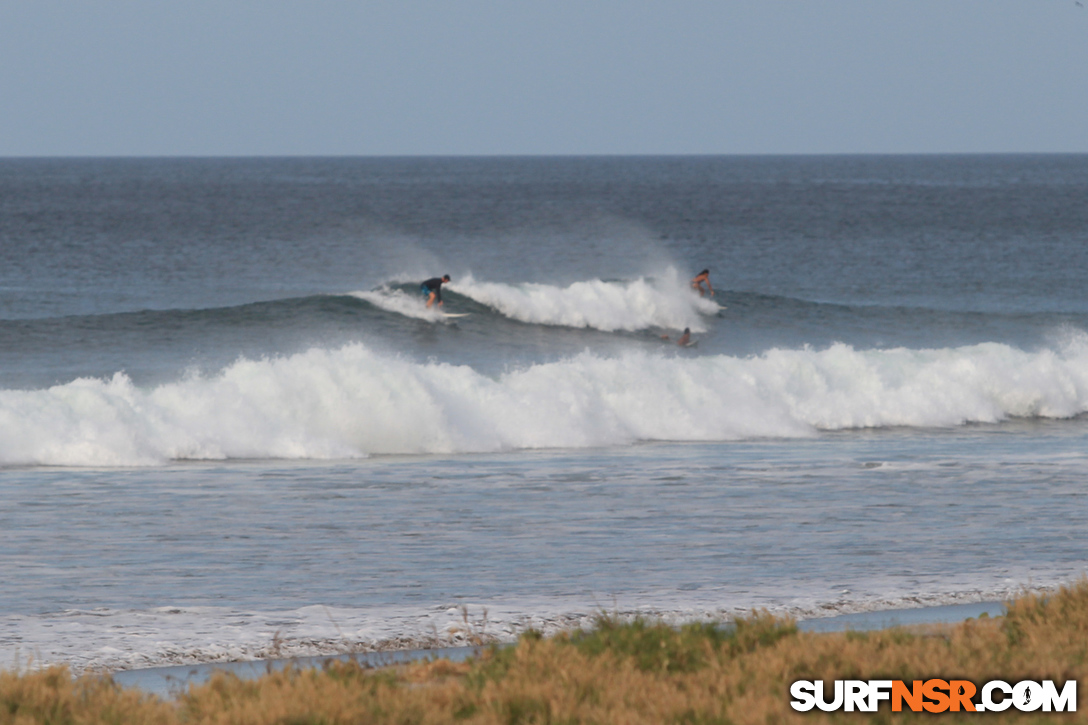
(352,402)
(665,302)
(400,302)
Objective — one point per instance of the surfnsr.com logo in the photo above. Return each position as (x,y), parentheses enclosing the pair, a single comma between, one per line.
(935,696)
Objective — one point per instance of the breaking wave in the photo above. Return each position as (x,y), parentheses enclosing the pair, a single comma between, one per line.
(353,402)
(664,302)
(400,302)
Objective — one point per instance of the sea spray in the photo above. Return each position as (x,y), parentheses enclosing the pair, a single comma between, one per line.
(664,302)
(400,302)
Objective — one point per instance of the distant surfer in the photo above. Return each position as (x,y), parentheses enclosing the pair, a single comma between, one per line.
(685,338)
(699,279)
(432,288)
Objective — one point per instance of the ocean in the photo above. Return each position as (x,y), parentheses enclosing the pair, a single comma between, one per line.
(230,428)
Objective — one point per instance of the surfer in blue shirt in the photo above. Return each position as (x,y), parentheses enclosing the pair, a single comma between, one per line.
(697,283)
(433,289)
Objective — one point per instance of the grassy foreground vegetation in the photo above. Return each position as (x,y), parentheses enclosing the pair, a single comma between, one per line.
(639,672)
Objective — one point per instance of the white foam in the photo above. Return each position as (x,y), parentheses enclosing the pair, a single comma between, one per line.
(398,301)
(351,402)
(121,639)
(665,302)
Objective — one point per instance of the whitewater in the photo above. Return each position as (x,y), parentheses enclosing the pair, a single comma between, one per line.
(352,402)
(639,304)
(609,306)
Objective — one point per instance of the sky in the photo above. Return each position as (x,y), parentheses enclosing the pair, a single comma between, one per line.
(529,77)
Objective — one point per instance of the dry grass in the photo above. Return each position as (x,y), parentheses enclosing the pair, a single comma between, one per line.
(633,673)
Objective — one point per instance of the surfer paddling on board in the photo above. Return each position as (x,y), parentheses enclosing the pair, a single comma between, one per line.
(432,288)
(699,279)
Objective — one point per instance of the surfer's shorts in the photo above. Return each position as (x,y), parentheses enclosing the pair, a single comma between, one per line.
(426,292)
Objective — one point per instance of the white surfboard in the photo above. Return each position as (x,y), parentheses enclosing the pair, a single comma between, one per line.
(456,314)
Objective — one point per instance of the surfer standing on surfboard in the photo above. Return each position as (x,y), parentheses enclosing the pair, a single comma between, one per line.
(432,288)
(699,279)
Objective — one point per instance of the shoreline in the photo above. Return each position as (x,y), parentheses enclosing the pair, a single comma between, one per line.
(171,680)
(109,641)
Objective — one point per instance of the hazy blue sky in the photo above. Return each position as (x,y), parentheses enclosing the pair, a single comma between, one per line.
(241,77)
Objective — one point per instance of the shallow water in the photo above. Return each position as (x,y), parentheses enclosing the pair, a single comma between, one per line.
(364,551)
